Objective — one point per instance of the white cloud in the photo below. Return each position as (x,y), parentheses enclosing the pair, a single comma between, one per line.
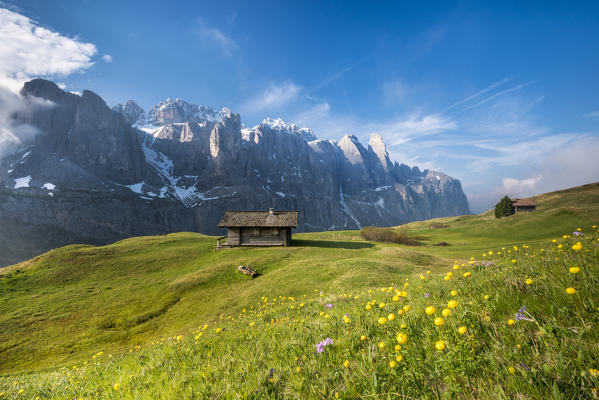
(215,37)
(520,188)
(107,58)
(401,130)
(592,114)
(273,98)
(12,134)
(569,163)
(28,50)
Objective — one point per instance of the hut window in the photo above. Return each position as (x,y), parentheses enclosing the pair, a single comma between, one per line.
(275,232)
(256,232)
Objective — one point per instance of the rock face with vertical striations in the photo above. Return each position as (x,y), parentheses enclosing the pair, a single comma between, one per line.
(96,175)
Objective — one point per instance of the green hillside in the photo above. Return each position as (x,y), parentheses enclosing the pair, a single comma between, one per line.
(61,308)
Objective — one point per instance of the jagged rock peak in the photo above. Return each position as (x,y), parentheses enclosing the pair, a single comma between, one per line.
(178,110)
(280,125)
(133,113)
(377,145)
(352,149)
(44,89)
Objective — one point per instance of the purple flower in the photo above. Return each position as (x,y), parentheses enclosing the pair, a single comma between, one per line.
(271,372)
(426,295)
(329,305)
(577,233)
(320,346)
(524,366)
(522,314)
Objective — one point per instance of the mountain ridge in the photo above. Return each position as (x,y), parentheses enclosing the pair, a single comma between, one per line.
(185,166)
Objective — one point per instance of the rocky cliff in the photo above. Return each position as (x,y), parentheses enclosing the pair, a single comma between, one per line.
(96,175)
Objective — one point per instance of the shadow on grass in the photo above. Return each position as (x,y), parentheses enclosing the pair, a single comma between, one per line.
(331,244)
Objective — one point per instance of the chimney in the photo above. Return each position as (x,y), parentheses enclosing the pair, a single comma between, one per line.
(271,211)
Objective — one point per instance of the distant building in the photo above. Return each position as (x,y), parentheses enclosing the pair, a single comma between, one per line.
(524,205)
(257,228)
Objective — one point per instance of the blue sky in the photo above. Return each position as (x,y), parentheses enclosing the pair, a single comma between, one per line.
(504,97)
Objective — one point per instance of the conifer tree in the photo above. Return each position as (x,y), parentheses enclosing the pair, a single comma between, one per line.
(504,208)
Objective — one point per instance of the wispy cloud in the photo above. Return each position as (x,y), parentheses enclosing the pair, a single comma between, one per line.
(214,37)
(400,130)
(332,78)
(592,114)
(28,50)
(273,98)
(477,94)
(494,96)
(107,58)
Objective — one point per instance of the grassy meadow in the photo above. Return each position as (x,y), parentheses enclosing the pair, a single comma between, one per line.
(169,317)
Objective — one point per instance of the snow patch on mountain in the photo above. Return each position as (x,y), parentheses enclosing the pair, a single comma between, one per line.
(136,188)
(346,208)
(22,182)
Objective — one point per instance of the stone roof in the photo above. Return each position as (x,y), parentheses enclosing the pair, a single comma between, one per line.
(524,203)
(252,219)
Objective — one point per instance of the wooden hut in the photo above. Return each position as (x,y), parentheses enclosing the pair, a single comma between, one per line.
(257,228)
(524,205)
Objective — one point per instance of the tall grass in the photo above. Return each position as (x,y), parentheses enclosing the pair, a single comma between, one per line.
(389,235)
(516,322)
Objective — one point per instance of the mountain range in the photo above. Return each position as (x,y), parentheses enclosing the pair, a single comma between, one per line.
(95,174)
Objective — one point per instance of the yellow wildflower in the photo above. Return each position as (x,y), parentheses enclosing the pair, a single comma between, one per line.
(440,345)
(401,338)
(429,310)
(462,330)
(574,270)
(570,290)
